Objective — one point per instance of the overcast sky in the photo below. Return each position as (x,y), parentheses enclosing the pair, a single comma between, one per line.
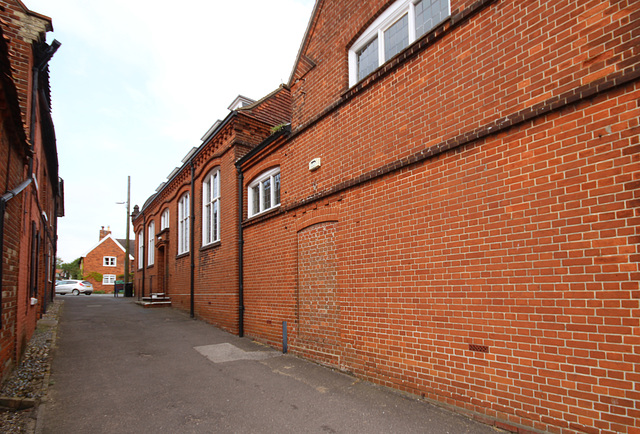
(137,83)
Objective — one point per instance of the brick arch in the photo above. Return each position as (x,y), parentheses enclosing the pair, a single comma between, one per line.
(253,173)
(319,324)
(316,216)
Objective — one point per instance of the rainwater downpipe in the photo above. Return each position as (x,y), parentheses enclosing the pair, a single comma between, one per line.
(3,205)
(240,253)
(192,217)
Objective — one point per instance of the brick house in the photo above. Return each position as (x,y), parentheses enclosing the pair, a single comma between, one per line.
(453,210)
(32,193)
(104,263)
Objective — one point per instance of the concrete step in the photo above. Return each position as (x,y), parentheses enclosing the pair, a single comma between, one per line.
(149,304)
(155,299)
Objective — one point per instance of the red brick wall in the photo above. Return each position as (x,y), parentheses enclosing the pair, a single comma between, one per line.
(10,151)
(21,30)
(483,189)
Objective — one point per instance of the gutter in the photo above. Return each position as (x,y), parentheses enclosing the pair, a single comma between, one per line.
(285,130)
(189,162)
(38,67)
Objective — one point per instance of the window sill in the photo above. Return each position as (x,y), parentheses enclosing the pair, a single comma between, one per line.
(210,245)
(264,215)
(182,255)
(266,211)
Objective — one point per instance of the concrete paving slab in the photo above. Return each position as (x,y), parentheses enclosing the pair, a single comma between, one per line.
(225,352)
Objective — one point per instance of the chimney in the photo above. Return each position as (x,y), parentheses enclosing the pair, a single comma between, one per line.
(104,233)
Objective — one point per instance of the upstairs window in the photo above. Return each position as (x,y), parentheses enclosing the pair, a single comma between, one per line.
(151,253)
(109,261)
(183,224)
(211,208)
(393,31)
(264,192)
(164,220)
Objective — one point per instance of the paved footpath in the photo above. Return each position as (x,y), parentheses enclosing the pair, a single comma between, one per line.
(119,368)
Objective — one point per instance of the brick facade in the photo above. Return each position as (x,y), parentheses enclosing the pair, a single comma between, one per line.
(94,268)
(215,279)
(32,193)
(471,236)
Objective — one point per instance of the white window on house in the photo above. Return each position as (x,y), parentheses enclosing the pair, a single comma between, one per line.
(108,279)
(109,261)
(164,220)
(264,192)
(151,250)
(211,208)
(183,224)
(393,31)
(140,249)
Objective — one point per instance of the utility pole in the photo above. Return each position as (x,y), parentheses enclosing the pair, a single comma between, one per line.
(126,247)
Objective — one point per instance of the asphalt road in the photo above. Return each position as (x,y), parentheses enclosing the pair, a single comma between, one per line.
(119,368)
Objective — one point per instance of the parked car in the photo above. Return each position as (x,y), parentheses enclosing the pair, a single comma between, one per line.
(74,287)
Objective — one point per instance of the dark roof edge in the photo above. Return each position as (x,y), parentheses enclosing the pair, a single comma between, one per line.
(167,183)
(285,131)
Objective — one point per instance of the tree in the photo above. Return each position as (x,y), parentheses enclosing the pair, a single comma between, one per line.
(72,269)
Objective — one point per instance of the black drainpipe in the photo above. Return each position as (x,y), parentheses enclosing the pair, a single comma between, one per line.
(192,218)
(240,253)
(3,205)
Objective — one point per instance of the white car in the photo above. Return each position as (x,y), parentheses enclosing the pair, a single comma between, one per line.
(74,287)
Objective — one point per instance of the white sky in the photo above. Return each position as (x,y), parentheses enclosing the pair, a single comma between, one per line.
(137,83)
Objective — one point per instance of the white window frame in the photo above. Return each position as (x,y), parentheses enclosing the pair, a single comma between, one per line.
(140,249)
(108,279)
(211,207)
(109,261)
(270,174)
(164,219)
(184,207)
(376,30)
(151,250)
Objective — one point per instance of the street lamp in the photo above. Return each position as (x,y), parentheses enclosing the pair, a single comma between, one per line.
(126,247)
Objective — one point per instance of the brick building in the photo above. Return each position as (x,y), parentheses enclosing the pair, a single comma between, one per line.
(32,194)
(189,210)
(453,210)
(104,263)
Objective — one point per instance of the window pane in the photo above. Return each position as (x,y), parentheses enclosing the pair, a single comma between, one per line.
(396,38)
(207,223)
(276,188)
(256,199)
(368,59)
(214,233)
(429,13)
(215,182)
(206,190)
(266,186)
